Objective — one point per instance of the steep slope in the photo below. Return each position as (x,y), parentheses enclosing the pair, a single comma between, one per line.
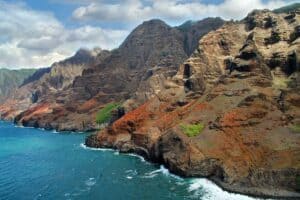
(10,80)
(231,113)
(42,86)
(193,30)
(287,9)
(153,48)
(36,75)
(155,79)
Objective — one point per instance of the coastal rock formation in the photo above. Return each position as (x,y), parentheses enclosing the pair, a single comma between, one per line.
(44,85)
(226,107)
(231,112)
(76,89)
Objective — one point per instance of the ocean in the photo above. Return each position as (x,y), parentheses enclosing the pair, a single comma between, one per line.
(38,164)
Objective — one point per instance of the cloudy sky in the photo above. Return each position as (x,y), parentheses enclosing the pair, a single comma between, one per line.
(37,33)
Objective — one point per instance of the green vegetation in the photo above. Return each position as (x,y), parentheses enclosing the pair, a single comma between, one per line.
(104,115)
(192,130)
(298,182)
(186,25)
(280,82)
(296,128)
(15,76)
(288,8)
(11,79)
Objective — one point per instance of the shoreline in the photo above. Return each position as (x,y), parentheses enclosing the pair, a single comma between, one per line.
(251,192)
(255,192)
(47,129)
(162,166)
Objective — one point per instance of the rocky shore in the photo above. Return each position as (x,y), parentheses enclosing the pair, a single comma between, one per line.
(211,169)
(240,90)
(230,111)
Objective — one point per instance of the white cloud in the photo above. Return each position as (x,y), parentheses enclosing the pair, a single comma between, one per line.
(135,11)
(31,38)
(34,39)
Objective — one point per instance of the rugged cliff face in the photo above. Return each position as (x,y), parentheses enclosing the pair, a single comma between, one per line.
(231,113)
(10,80)
(41,88)
(66,99)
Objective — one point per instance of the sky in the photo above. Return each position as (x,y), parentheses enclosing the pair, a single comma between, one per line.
(37,33)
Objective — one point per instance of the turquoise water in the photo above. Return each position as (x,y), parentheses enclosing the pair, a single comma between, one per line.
(37,164)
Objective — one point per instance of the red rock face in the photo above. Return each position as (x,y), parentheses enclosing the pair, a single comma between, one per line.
(236,87)
(51,87)
(241,83)
(85,82)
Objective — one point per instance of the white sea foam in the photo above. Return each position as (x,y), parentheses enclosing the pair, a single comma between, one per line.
(149,176)
(131,172)
(67,194)
(21,126)
(154,172)
(94,149)
(199,187)
(116,152)
(164,171)
(138,156)
(90,182)
(212,191)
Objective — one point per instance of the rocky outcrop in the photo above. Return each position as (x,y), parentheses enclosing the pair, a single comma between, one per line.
(242,85)
(36,75)
(43,86)
(157,78)
(134,72)
(239,92)
(194,30)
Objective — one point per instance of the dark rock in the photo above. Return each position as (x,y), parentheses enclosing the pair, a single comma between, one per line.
(295,35)
(277,60)
(274,38)
(194,84)
(187,71)
(92,141)
(290,16)
(293,63)
(35,96)
(36,76)
(269,22)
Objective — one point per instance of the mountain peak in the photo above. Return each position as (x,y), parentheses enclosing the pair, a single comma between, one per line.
(154,22)
(151,25)
(83,52)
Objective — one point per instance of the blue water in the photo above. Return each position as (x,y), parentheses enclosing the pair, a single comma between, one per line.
(37,164)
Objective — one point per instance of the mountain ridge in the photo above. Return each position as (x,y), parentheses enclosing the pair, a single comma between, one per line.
(288,8)
(220,102)
(152,46)
(229,113)
(10,80)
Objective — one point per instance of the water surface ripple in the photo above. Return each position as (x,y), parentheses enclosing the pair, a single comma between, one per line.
(37,164)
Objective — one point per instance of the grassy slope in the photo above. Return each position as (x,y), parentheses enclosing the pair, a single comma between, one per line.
(11,79)
(192,130)
(104,115)
(288,8)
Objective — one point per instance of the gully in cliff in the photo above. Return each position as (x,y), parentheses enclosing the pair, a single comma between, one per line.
(230,113)
(209,98)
